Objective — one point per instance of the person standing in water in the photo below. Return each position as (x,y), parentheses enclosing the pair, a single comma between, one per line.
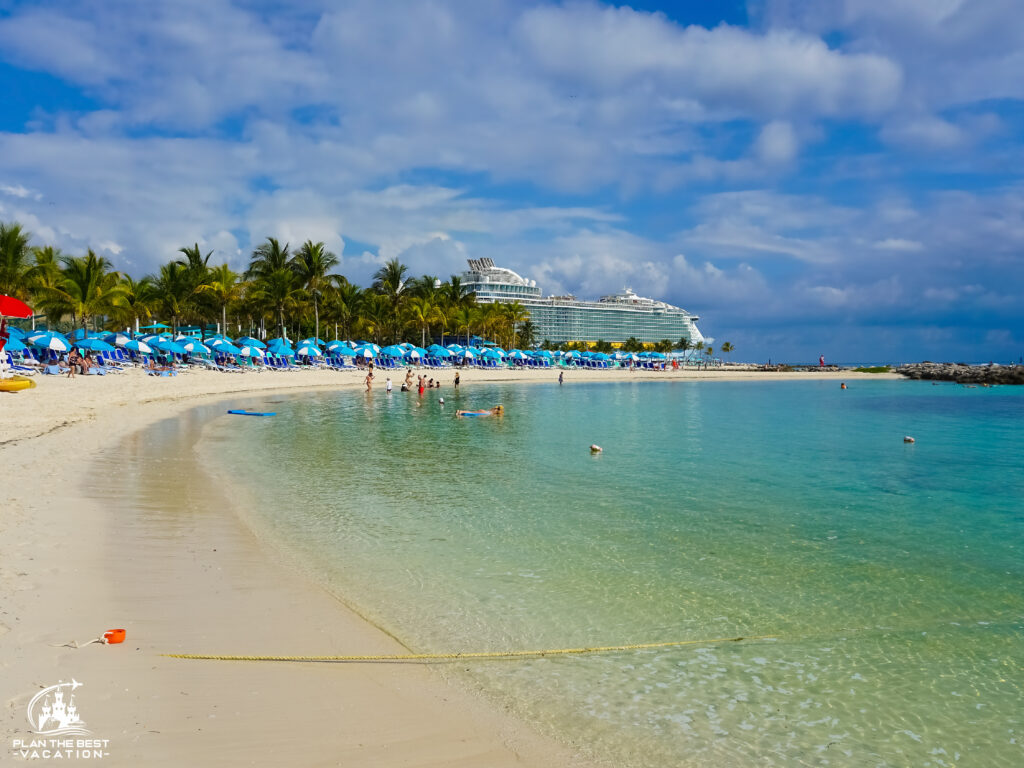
(456,379)
(561,376)
(387,386)
(369,381)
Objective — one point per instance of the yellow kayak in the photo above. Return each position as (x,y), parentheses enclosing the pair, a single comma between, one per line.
(16,384)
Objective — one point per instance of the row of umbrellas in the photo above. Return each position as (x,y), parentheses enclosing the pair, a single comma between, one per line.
(247,346)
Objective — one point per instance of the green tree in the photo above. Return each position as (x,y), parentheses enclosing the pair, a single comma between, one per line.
(173,291)
(282,292)
(390,281)
(727,347)
(139,302)
(422,312)
(16,265)
(513,314)
(267,258)
(527,334)
(88,288)
(313,263)
(223,288)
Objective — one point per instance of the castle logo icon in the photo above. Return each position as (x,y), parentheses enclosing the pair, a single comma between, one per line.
(53,712)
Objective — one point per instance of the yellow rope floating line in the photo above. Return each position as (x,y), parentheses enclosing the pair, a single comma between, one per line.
(472,655)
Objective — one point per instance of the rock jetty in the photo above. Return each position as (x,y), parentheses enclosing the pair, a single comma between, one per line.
(962,373)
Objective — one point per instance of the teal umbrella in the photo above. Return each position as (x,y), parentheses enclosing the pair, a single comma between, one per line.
(94,345)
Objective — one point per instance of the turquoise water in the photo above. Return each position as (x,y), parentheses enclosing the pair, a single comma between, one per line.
(891,574)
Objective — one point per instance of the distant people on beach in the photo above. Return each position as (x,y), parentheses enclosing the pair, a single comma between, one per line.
(72,364)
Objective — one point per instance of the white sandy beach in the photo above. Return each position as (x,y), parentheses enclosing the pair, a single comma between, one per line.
(186,575)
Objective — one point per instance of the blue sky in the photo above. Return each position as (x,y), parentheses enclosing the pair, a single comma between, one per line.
(810,176)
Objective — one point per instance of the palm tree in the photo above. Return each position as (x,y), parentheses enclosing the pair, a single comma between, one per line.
(139,301)
(173,291)
(194,260)
(527,334)
(15,266)
(514,313)
(423,312)
(268,258)
(463,319)
(313,262)
(685,345)
(390,281)
(727,347)
(223,287)
(697,347)
(88,288)
(281,291)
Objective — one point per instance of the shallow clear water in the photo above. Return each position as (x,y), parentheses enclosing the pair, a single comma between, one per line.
(891,574)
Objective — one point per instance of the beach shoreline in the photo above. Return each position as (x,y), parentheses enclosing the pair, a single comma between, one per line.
(81,553)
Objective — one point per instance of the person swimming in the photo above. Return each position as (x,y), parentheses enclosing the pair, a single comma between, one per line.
(498,410)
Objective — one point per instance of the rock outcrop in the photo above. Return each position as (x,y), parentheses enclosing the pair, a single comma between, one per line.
(963,373)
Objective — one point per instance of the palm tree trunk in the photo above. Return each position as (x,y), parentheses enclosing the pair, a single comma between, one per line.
(316,312)
(224,318)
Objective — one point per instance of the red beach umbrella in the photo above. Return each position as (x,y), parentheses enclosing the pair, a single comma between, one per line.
(12,307)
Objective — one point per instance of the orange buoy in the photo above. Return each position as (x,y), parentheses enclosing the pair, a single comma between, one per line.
(112,636)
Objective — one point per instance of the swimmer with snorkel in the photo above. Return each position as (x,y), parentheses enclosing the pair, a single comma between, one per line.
(498,410)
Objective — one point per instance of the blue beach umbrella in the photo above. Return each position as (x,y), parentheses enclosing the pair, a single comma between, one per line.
(42,332)
(16,333)
(309,350)
(517,354)
(393,351)
(225,348)
(51,341)
(249,350)
(165,345)
(442,352)
(94,345)
(656,356)
(195,346)
(117,339)
(466,354)
(601,356)
(344,351)
(249,341)
(137,345)
(492,354)
(543,353)
(366,351)
(312,340)
(154,325)
(14,345)
(417,351)
(336,344)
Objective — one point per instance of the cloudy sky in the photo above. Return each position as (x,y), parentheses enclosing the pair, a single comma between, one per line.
(810,176)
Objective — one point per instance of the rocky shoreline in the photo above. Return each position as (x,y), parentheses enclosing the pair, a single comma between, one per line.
(962,373)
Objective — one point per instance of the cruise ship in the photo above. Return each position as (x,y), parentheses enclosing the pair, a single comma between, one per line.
(560,319)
